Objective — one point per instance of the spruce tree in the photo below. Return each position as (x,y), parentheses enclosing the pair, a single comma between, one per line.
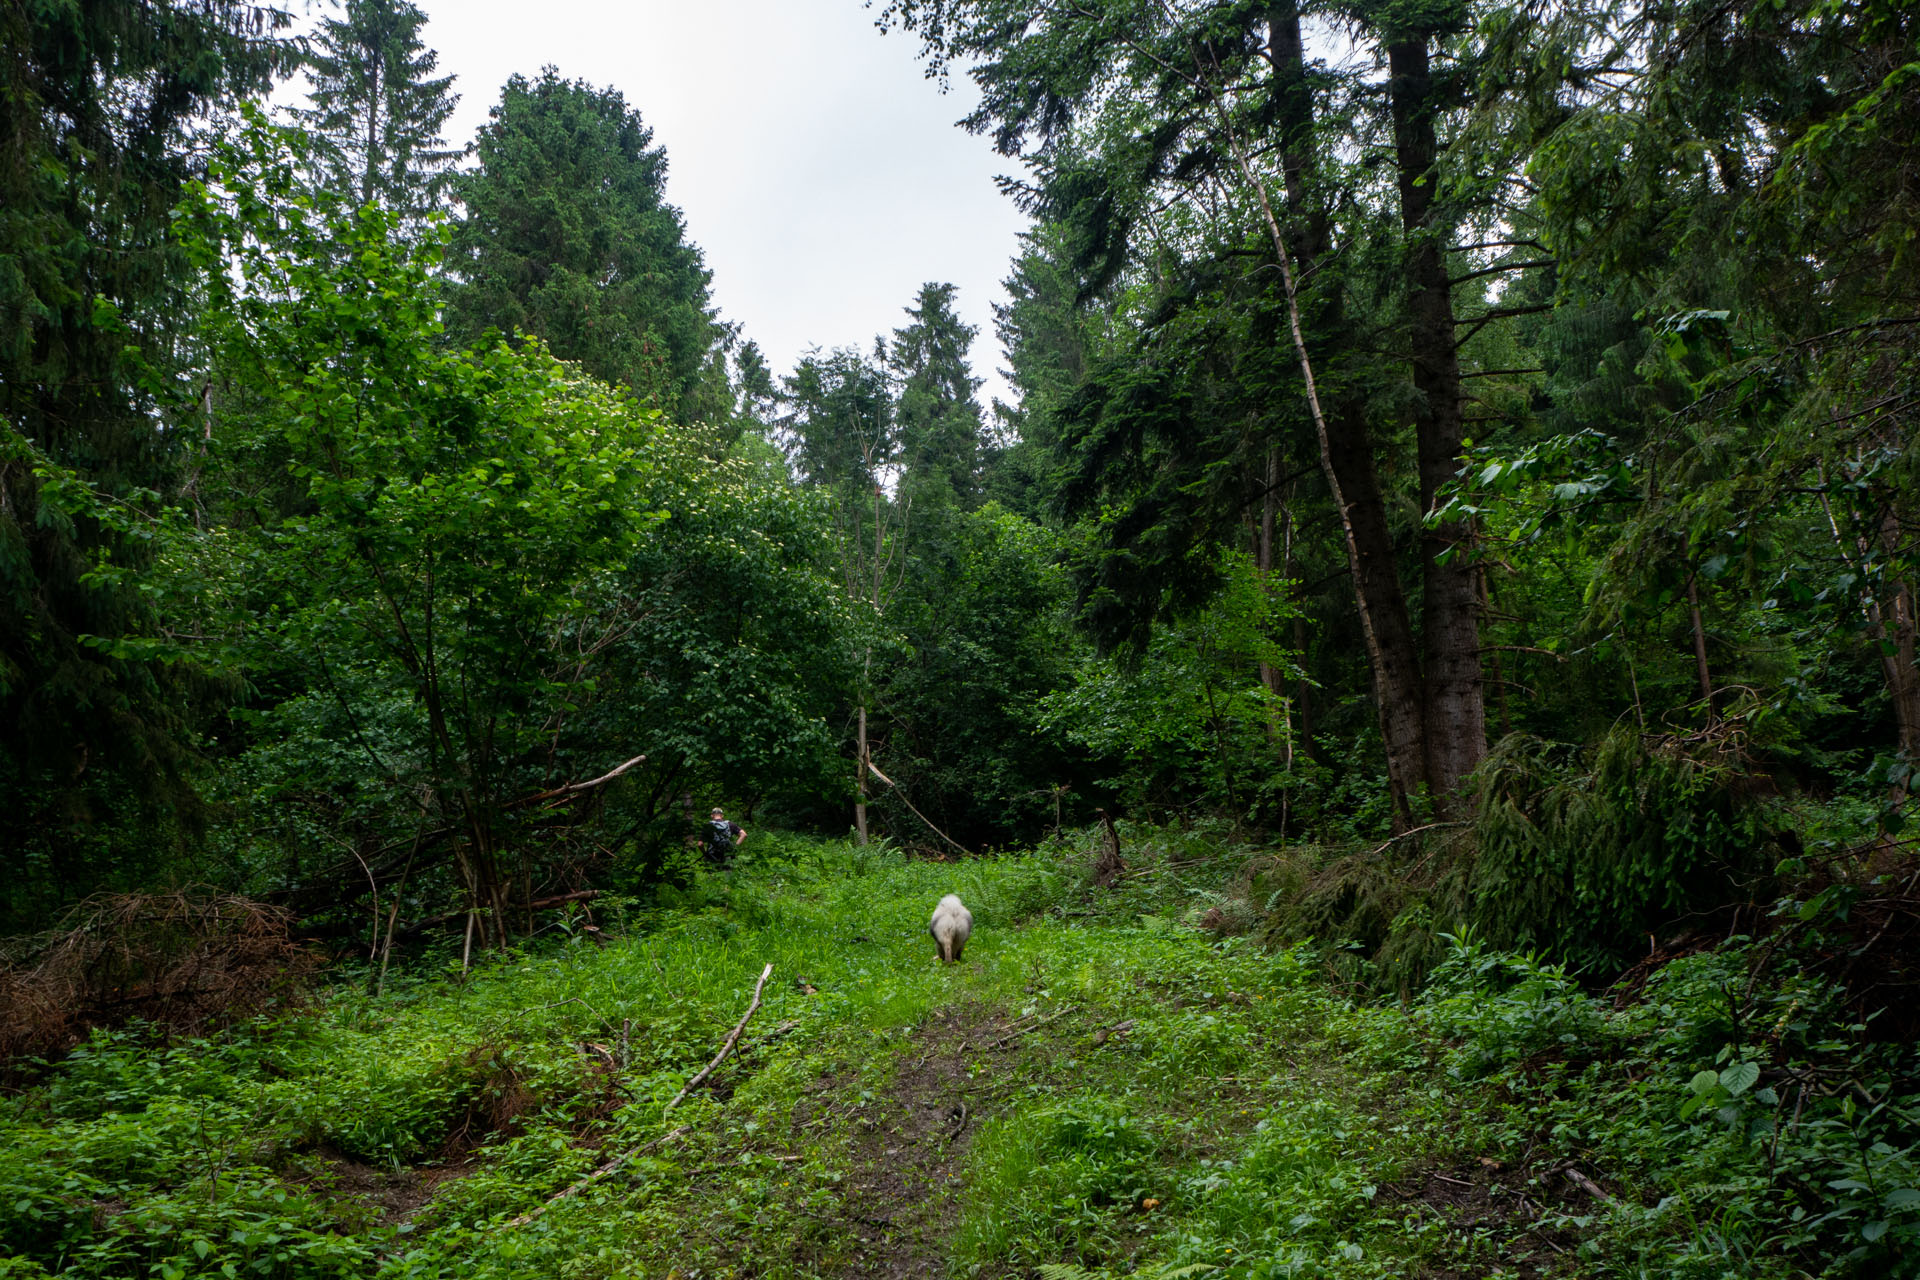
(939,419)
(755,396)
(378,110)
(568,237)
(98,106)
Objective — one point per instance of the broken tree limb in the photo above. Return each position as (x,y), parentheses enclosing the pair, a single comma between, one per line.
(575,788)
(1011,1036)
(916,813)
(538,904)
(733,1038)
(557,900)
(1589,1186)
(592,1178)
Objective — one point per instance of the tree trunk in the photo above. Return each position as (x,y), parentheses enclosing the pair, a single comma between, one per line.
(1897,626)
(1702,671)
(1263,561)
(860,783)
(1455,706)
(373,129)
(1301,719)
(1346,450)
(1376,579)
(1896,659)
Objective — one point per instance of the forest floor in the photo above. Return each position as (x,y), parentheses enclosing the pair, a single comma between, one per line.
(1098,1088)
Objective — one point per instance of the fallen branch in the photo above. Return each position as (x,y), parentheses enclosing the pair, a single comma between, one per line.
(1588,1185)
(1166,866)
(592,1178)
(916,813)
(733,1038)
(1431,826)
(1011,1036)
(558,899)
(575,788)
(538,904)
(607,1168)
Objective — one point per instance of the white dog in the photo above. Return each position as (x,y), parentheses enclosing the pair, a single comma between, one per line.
(951,926)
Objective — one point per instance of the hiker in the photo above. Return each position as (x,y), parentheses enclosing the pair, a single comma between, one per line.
(721,839)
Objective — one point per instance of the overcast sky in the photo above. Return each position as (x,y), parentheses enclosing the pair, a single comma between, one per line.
(819,170)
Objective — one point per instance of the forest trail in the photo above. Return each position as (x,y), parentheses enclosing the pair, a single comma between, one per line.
(1100,1089)
(906,1152)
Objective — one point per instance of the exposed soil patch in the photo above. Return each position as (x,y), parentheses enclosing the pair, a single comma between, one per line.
(1499,1203)
(384,1196)
(897,1204)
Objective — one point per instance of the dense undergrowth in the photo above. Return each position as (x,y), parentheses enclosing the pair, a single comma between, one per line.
(1112,1082)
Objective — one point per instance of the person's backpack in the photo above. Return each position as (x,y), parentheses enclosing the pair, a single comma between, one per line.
(719,839)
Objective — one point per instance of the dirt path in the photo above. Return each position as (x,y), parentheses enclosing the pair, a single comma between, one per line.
(899,1201)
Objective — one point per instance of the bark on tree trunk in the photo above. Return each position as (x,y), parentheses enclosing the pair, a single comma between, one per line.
(1263,561)
(1896,659)
(1897,625)
(1376,578)
(1702,671)
(1346,451)
(1455,706)
(1300,718)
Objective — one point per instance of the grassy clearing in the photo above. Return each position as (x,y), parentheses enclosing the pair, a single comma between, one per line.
(1100,1088)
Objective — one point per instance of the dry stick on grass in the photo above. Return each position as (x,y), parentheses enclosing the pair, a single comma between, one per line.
(733,1038)
(1588,1185)
(592,1178)
(1010,1037)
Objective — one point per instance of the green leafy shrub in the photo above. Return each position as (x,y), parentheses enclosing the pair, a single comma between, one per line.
(248,1224)
(1760,1129)
(1502,1008)
(1062,1172)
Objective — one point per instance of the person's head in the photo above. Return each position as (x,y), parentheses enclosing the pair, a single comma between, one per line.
(718,813)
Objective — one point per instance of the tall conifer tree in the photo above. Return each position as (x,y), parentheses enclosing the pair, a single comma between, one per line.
(568,237)
(939,419)
(97,105)
(843,437)
(378,109)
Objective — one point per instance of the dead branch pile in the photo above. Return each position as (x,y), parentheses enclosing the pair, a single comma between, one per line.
(183,961)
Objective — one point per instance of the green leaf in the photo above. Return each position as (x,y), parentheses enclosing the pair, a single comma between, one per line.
(1739,1077)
